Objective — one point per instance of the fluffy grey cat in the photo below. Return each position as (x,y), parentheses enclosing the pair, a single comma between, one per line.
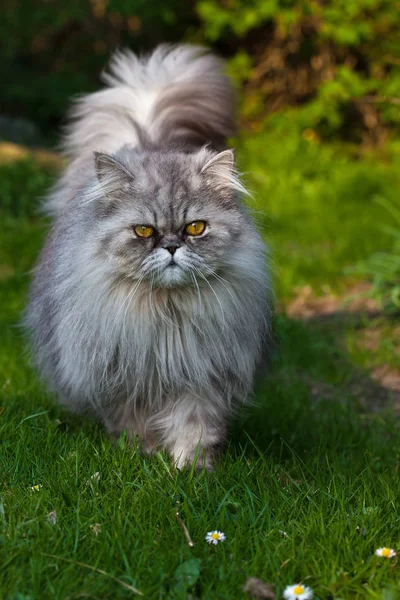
(149,304)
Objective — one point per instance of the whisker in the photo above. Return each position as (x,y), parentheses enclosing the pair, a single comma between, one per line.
(130,300)
(197,286)
(119,282)
(163,315)
(129,297)
(213,291)
(223,282)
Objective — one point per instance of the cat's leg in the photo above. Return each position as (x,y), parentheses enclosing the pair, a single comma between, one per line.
(122,419)
(192,429)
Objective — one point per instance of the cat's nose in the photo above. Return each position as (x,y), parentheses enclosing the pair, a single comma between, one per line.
(172,247)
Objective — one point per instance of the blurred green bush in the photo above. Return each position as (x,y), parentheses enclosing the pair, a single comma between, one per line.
(337,63)
(383,268)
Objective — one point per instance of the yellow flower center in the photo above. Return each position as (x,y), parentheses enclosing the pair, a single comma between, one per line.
(299,589)
(386,552)
(215,536)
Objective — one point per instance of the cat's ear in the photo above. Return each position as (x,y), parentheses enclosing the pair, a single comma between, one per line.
(112,175)
(222,170)
(221,164)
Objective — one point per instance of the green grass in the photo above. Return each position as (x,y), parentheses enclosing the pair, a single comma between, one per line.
(314,459)
(319,207)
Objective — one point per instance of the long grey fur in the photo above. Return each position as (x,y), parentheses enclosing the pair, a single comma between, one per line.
(159,336)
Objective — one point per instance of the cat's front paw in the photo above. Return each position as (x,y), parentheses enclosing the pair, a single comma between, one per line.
(203,458)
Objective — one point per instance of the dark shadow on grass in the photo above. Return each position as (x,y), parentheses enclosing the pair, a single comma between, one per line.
(314,398)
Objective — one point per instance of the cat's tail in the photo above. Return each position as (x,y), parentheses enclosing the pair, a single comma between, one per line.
(175,95)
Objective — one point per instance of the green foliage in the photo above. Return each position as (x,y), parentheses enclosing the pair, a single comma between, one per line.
(237,17)
(338,60)
(186,576)
(384,267)
(53,50)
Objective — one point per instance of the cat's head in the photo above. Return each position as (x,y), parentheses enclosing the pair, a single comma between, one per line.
(170,217)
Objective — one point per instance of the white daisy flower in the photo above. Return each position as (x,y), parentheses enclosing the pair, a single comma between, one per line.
(213,537)
(385,552)
(297,592)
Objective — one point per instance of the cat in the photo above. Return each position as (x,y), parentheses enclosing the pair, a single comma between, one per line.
(150,301)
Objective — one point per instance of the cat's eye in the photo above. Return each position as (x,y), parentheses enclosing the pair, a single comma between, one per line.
(196,228)
(143,231)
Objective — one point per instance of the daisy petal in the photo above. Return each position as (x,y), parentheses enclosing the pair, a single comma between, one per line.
(297,592)
(385,552)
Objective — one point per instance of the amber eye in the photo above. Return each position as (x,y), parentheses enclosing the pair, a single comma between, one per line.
(144,231)
(195,228)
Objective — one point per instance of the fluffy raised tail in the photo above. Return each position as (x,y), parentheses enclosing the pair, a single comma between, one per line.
(175,95)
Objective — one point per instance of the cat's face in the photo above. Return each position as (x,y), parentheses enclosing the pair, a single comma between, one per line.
(170,218)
